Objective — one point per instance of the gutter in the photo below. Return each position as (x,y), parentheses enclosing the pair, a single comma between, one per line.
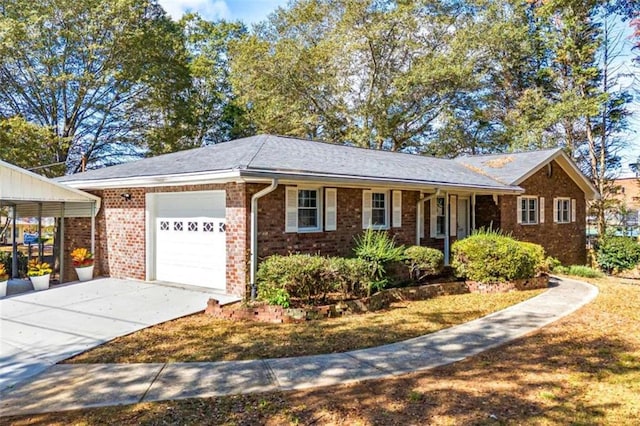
(254,234)
(420,203)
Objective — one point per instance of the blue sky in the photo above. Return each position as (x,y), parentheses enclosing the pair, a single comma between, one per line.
(252,11)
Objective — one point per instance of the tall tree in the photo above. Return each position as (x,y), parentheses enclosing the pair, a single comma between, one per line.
(373,73)
(107,78)
(217,116)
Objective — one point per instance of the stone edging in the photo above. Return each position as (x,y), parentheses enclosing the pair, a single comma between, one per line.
(381,300)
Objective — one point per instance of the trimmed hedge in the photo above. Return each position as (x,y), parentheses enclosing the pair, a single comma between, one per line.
(423,262)
(489,256)
(616,254)
(310,277)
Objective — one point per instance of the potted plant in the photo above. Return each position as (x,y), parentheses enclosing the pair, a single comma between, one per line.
(4,279)
(82,260)
(39,273)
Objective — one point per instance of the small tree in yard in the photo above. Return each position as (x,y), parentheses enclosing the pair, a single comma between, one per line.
(379,249)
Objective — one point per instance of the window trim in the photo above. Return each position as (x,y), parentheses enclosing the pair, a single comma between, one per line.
(536,209)
(558,201)
(388,201)
(319,209)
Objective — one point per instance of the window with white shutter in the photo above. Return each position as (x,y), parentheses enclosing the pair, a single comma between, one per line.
(303,208)
(437,217)
(527,210)
(376,209)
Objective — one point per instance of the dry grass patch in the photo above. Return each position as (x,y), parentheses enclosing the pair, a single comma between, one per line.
(584,369)
(202,338)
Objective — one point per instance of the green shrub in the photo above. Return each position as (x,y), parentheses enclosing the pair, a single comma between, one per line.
(352,276)
(378,249)
(582,271)
(536,251)
(310,277)
(423,261)
(551,264)
(489,256)
(615,254)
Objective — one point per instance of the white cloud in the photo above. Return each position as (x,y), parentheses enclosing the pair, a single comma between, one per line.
(209,9)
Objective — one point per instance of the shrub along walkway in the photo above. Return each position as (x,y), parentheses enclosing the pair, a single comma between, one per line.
(66,387)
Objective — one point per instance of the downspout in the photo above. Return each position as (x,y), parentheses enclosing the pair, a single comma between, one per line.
(254,234)
(419,208)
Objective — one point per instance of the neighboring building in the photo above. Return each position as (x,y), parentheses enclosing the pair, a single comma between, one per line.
(207,216)
(624,218)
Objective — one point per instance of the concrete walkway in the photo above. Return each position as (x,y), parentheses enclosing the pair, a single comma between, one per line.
(39,329)
(66,387)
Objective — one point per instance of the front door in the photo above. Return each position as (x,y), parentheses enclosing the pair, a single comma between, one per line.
(463,217)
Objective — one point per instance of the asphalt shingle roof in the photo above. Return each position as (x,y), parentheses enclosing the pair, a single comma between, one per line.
(277,154)
(507,168)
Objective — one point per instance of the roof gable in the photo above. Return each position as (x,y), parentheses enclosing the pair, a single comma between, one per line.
(515,168)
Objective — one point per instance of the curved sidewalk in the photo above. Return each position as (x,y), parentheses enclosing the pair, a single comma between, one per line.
(66,387)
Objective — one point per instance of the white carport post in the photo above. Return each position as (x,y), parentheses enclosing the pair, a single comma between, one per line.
(93,228)
(14,244)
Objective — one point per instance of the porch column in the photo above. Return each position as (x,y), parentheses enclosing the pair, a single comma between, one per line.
(447,225)
(473,211)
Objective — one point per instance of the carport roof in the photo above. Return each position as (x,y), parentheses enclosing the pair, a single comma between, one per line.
(269,156)
(28,191)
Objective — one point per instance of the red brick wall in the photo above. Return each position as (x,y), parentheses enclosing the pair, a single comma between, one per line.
(487,212)
(565,241)
(272,238)
(121,229)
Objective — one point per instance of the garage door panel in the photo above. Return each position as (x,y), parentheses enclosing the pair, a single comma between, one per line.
(190,238)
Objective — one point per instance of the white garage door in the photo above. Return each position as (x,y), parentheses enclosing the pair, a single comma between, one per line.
(190,241)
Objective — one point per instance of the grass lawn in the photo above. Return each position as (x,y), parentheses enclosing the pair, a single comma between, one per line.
(201,338)
(583,369)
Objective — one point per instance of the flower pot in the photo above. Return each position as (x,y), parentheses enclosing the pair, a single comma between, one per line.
(85,273)
(3,288)
(41,282)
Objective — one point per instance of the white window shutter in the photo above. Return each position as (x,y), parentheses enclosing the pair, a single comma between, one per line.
(541,216)
(453,215)
(397,209)
(330,209)
(573,210)
(433,218)
(420,214)
(519,210)
(366,209)
(555,210)
(291,215)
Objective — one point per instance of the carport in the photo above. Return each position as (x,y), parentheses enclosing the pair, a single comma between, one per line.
(30,195)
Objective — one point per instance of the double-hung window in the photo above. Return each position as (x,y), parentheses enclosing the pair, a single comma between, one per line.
(528,210)
(303,209)
(308,210)
(563,210)
(379,209)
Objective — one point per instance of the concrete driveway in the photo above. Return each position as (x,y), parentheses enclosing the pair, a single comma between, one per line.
(39,329)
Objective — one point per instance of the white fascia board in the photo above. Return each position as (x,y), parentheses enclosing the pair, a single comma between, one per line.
(364,182)
(160,180)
